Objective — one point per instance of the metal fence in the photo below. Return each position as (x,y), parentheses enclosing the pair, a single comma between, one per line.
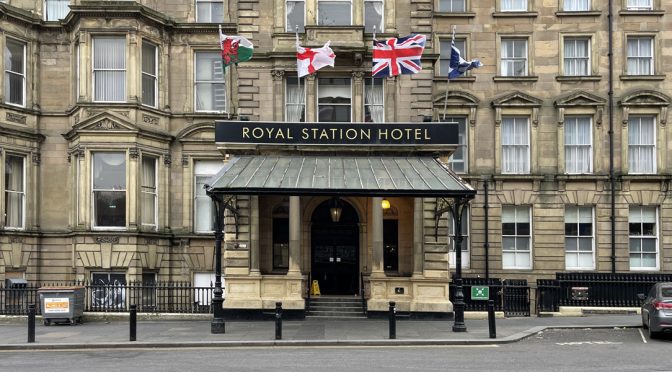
(595,289)
(160,297)
(512,296)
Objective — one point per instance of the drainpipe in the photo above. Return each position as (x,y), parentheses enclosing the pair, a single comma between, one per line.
(612,178)
(486,245)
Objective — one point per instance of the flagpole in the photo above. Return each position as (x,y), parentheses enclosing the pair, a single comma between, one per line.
(370,103)
(445,98)
(221,47)
(298,78)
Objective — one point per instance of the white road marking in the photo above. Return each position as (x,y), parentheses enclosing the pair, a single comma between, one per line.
(642,334)
(576,343)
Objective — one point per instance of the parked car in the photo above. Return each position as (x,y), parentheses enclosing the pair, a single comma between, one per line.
(657,309)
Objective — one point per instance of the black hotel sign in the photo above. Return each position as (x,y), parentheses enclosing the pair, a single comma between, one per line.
(389,134)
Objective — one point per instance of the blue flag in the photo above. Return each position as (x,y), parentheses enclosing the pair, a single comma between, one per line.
(458,66)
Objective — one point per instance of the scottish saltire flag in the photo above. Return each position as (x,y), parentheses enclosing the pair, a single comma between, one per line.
(458,66)
(396,56)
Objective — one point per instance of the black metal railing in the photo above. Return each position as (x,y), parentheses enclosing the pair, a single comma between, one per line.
(159,297)
(512,296)
(595,289)
(362,293)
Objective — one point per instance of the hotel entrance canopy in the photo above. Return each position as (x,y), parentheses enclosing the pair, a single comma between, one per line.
(356,159)
(415,176)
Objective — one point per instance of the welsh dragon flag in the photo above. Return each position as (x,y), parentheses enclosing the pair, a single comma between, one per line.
(235,49)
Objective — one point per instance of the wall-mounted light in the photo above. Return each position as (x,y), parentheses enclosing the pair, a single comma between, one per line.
(335,210)
(385,204)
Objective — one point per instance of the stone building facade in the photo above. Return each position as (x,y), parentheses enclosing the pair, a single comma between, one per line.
(107,137)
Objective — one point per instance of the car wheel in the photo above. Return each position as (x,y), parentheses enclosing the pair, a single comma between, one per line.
(644,325)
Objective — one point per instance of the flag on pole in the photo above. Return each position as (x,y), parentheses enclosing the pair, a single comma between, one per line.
(235,49)
(396,56)
(309,60)
(458,66)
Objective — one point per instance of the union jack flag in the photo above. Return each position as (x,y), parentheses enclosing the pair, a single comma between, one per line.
(396,56)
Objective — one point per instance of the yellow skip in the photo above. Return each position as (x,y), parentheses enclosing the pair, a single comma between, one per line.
(315,289)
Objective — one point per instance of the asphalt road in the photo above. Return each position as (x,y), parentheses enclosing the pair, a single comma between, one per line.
(551,350)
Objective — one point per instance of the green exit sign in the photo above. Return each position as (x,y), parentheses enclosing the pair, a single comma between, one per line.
(480,293)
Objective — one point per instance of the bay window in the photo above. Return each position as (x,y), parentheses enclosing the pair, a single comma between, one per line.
(109,69)
(334,99)
(204,212)
(149,74)
(56,9)
(374,101)
(15,72)
(148,193)
(109,189)
(15,192)
(209,86)
(334,12)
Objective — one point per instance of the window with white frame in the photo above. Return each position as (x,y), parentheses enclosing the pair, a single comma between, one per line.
(579,238)
(576,56)
(334,12)
(374,101)
(295,98)
(516,237)
(445,49)
(109,69)
(15,191)
(466,256)
(453,6)
(515,145)
(334,100)
(578,145)
(640,55)
(639,4)
(210,11)
(514,5)
(458,160)
(149,192)
(56,9)
(514,57)
(642,144)
(643,230)
(576,5)
(204,282)
(15,72)
(295,12)
(209,85)
(204,212)
(109,189)
(150,82)
(373,15)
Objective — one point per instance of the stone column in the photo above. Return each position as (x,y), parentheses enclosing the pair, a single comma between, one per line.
(377,236)
(358,96)
(254,235)
(311,98)
(294,234)
(278,94)
(418,229)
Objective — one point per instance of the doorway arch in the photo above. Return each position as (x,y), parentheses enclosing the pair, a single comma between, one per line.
(335,249)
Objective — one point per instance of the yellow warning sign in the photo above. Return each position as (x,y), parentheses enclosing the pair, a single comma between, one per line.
(315,289)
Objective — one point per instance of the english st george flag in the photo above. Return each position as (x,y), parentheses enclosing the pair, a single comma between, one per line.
(396,56)
(309,60)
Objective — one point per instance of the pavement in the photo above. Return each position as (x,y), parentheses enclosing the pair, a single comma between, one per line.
(101,333)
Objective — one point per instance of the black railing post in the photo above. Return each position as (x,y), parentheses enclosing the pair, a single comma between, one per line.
(31,323)
(133,322)
(278,320)
(392,316)
(491,319)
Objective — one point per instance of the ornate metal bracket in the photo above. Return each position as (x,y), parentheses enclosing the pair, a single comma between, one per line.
(454,205)
(222,203)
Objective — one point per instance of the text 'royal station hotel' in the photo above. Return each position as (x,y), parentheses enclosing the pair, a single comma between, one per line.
(108,137)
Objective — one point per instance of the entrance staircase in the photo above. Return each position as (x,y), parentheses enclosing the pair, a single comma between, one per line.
(335,307)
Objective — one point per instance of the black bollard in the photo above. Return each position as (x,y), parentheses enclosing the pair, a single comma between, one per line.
(278,320)
(491,319)
(392,314)
(31,323)
(133,322)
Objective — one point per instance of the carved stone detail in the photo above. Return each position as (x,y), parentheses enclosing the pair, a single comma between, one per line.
(277,74)
(151,241)
(16,239)
(167,160)
(15,118)
(150,119)
(37,158)
(185,160)
(106,125)
(358,75)
(133,152)
(107,239)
